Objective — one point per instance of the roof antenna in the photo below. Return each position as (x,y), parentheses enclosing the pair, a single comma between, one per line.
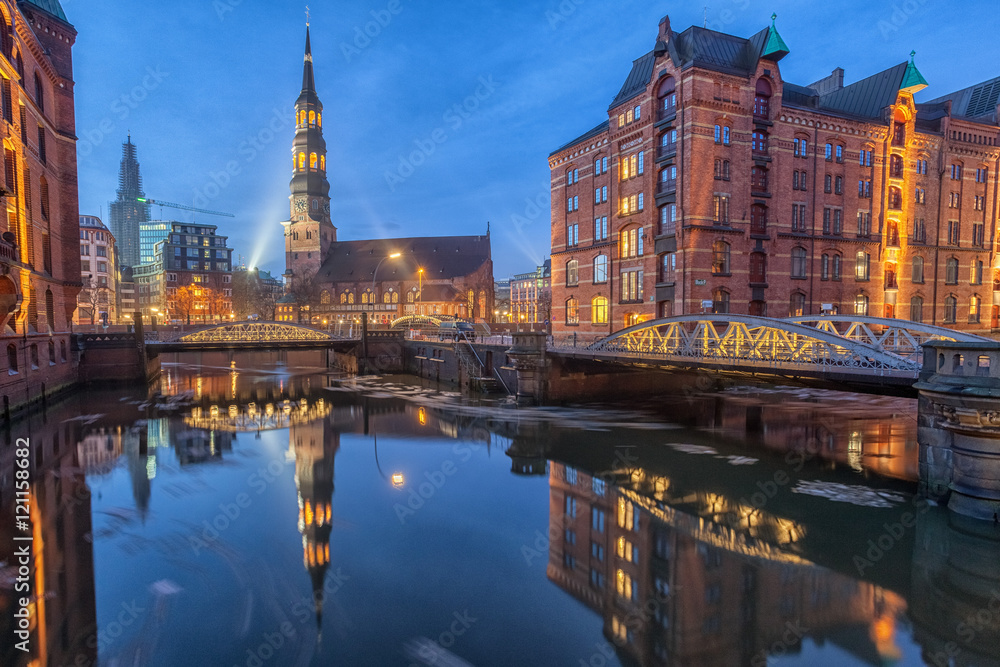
(706,17)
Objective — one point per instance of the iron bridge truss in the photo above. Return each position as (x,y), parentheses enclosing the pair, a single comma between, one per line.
(414,321)
(255,332)
(749,343)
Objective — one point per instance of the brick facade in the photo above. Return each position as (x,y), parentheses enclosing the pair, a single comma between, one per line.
(39,254)
(717,186)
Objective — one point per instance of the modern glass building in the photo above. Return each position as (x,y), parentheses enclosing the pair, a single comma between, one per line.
(151,233)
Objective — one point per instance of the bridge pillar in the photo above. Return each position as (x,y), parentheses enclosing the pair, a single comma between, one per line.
(532,365)
(959,426)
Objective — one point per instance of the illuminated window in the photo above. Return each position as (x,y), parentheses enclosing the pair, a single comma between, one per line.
(627,551)
(626,588)
(599,310)
(572,311)
(313,161)
(322,162)
(312,117)
(302,161)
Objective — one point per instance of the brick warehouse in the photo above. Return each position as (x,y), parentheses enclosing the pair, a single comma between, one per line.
(715,186)
(40,251)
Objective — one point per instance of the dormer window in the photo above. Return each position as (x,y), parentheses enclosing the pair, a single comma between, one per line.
(762,99)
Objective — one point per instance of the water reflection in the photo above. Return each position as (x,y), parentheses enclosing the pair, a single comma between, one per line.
(712,530)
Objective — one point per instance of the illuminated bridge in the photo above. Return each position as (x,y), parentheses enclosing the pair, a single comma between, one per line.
(245,335)
(866,350)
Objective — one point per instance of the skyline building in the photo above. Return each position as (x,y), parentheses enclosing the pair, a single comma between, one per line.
(127,214)
(151,233)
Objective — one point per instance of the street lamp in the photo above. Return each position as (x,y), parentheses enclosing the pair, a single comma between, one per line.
(395,255)
(420,291)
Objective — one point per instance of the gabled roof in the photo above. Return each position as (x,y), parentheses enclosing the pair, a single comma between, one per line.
(51,6)
(586,135)
(976,101)
(867,98)
(441,258)
(637,80)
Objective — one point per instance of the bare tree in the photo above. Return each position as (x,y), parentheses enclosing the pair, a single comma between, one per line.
(305,291)
(95,294)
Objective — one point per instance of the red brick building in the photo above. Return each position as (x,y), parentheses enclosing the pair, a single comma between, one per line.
(716,186)
(39,251)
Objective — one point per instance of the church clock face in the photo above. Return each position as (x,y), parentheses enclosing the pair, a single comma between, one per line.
(326,208)
(301,205)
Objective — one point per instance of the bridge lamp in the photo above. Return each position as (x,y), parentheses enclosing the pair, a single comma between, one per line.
(397,479)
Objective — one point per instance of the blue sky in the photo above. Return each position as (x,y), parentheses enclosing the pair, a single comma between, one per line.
(206,88)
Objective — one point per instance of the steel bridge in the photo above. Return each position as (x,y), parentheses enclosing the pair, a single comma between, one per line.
(244,335)
(837,347)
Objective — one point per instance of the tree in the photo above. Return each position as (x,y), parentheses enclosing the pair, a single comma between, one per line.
(246,286)
(94,294)
(184,301)
(305,291)
(216,302)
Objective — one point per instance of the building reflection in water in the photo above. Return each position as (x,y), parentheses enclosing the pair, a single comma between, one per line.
(675,588)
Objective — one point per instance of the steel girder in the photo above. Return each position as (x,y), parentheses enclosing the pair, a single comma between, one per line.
(746,342)
(255,332)
(902,337)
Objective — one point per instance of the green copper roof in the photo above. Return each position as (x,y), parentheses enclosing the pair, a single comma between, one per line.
(912,78)
(51,6)
(775,45)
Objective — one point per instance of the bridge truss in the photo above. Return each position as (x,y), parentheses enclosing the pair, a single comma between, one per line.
(255,332)
(901,337)
(748,343)
(414,322)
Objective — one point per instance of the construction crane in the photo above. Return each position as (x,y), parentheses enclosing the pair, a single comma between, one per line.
(157,202)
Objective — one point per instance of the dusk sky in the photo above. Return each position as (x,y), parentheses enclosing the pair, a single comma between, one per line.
(206,84)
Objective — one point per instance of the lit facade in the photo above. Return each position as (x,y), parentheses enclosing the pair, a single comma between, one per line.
(39,254)
(531,295)
(98,300)
(716,186)
(194,256)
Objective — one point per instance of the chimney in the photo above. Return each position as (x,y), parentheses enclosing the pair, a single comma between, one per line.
(829,84)
(664,29)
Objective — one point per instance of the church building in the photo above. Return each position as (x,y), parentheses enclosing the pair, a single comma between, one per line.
(330,281)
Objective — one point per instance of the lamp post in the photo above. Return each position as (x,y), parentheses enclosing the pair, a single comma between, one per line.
(420,291)
(395,255)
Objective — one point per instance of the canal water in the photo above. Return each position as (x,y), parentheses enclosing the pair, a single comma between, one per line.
(257,510)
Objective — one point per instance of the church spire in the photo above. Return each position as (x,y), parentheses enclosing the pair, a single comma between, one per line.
(308,94)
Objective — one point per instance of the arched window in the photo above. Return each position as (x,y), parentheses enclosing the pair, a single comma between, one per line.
(758,267)
(302,118)
(39,93)
(758,179)
(386,297)
(895,166)
(599,310)
(918,272)
(895,198)
(313,161)
(824,267)
(343,297)
(52,353)
(572,311)
(720,301)
(861,305)
(302,161)
(667,95)
(43,187)
(322,163)
(835,260)
(572,273)
(324,298)
(798,262)
(50,312)
(395,297)
(917,309)
(312,117)
(630,242)
(951,271)
(950,309)
(862,265)
(899,118)
(601,269)
(12,358)
(720,258)
(6,36)
(62,351)
(762,98)
(797,305)
(410,296)
(350,298)
(975,306)
(319,119)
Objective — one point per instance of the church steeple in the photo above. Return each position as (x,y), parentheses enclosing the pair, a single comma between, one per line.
(309,230)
